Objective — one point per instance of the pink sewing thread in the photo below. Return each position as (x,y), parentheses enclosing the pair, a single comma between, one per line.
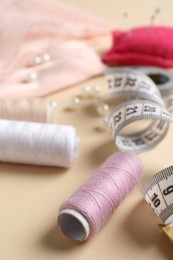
(83,214)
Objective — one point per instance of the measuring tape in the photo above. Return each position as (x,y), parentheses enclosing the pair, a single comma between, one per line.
(144,101)
(163,80)
(161,77)
(158,192)
(132,84)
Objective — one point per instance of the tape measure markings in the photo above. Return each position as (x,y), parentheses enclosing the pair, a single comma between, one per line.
(130,112)
(158,192)
(165,82)
(165,85)
(161,175)
(134,84)
(141,141)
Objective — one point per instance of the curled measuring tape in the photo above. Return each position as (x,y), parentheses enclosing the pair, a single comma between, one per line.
(132,84)
(144,102)
(161,77)
(158,192)
(163,80)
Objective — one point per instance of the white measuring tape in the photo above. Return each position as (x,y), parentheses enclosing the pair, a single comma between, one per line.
(158,192)
(145,103)
(164,81)
(162,78)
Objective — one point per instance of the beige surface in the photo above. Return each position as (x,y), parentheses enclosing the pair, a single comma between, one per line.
(30,196)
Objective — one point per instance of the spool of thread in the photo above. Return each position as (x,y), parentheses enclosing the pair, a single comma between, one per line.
(83,214)
(35,110)
(37,143)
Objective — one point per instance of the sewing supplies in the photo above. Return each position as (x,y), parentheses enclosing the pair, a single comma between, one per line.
(158,193)
(83,214)
(61,72)
(38,52)
(162,78)
(139,46)
(34,110)
(144,102)
(38,143)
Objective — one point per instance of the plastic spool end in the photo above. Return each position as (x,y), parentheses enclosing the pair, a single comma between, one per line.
(73,225)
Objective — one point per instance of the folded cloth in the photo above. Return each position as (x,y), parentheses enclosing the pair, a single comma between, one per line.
(142,46)
(34,28)
(74,62)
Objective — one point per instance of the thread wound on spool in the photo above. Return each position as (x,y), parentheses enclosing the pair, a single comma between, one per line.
(37,143)
(98,198)
(35,110)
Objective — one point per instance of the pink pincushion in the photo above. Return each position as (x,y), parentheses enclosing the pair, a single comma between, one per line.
(142,46)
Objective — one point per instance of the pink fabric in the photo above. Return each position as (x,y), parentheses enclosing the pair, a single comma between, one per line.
(32,28)
(142,46)
(74,62)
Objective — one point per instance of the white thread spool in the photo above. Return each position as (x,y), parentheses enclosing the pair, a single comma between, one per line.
(35,110)
(37,143)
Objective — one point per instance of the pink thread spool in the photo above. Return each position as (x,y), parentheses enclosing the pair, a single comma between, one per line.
(83,214)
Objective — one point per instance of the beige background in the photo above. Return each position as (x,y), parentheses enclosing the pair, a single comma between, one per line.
(30,196)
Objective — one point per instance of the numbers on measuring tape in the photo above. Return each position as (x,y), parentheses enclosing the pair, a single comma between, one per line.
(160,125)
(131,110)
(117,118)
(149,109)
(155,200)
(157,197)
(130,81)
(158,192)
(150,136)
(168,190)
(133,84)
(117,82)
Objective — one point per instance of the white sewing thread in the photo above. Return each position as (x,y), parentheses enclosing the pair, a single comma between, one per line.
(35,110)
(37,143)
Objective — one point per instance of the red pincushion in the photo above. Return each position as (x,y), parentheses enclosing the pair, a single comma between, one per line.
(142,46)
